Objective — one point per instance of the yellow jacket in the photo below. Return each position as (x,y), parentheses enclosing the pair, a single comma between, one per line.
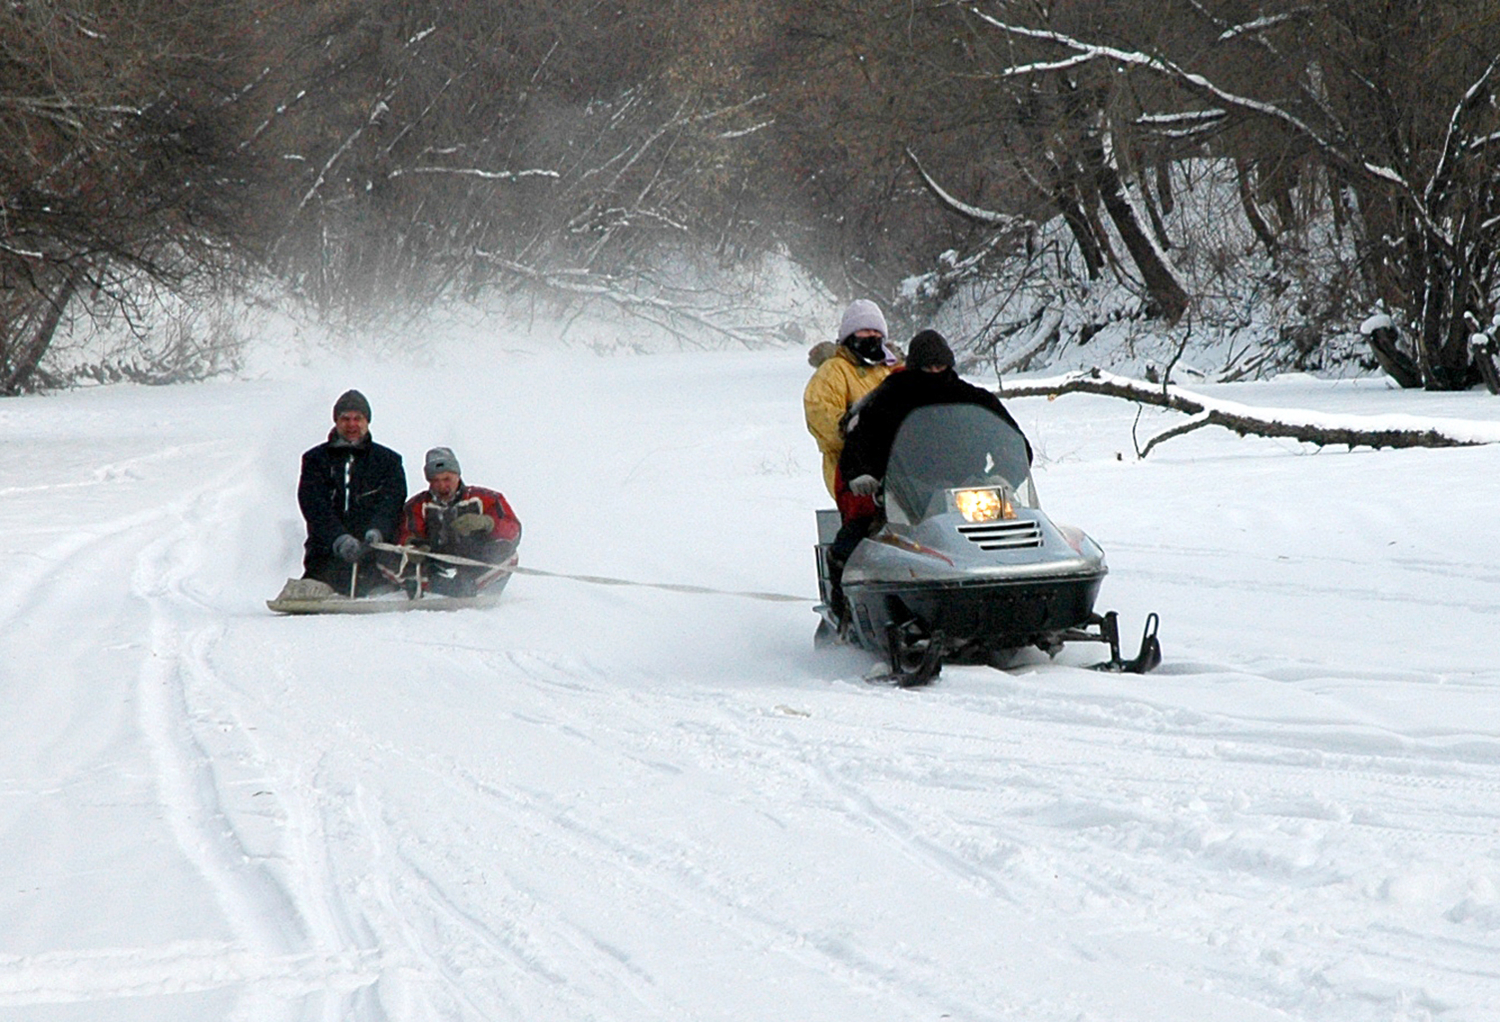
(837,384)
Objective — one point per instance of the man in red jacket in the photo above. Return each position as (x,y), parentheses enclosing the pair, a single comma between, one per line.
(451,517)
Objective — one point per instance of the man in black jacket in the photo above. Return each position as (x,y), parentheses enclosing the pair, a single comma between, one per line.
(351,492)
(928,379)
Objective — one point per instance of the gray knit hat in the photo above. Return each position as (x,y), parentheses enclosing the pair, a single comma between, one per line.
(441,459)
(862,314)
(351,401)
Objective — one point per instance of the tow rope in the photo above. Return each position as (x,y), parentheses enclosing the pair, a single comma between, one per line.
(415,553)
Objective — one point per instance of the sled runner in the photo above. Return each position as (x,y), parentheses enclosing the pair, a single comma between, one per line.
(309,596)
(966,567)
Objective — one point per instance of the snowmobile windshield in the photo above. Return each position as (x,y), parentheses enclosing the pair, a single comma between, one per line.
(943,447)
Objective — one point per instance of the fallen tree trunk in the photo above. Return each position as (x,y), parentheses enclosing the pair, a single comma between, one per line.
(1308,427)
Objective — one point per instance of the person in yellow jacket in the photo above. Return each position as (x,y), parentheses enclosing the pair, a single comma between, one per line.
(860,361)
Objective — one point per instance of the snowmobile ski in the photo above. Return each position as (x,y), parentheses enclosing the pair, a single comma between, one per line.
(1149,656)
(915,660)
(1106,629)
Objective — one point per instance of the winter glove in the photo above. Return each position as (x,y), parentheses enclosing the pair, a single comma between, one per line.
(373,536)
(348,548)
(473,523)
(864,486)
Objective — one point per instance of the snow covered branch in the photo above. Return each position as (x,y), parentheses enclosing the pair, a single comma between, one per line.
(377,110)
(1294,424)
(957,205)
(589,285)
(475,172)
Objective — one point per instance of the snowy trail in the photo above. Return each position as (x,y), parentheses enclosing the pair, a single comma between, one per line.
(149,732)
(636,804)
(211,776)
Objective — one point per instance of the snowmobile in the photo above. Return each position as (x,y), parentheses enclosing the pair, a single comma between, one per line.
(431,585)
(966,567)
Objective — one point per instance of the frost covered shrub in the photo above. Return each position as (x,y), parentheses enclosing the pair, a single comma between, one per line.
(168,341)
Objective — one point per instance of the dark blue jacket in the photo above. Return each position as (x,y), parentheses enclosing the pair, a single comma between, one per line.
(349,488)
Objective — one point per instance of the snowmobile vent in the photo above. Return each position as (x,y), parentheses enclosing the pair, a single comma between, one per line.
(1015,534)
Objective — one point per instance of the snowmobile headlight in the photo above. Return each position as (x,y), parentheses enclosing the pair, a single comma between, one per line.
(983,505)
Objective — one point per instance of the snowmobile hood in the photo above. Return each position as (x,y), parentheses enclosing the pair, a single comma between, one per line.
(946,549)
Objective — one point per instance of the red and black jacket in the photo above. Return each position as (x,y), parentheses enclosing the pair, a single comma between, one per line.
(426,520)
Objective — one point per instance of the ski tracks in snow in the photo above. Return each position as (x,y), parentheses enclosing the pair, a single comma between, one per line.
(565,875)
(266,941)
(674,884)
(252,822)
(1058,794)
(1274,842)
(537,813)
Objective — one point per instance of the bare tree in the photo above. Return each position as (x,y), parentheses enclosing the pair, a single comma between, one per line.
(1399,102)
(432,149)
(114,153)
(1349,431)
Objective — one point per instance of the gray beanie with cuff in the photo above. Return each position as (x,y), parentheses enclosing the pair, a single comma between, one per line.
(441,459)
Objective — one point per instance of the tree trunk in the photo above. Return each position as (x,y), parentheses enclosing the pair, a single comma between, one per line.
(1488,365)
(1397,364)
(1168,298)
(1164,193)
(20,369)
(1443,340)
(1258,225)
(1158,226)
(1065,199)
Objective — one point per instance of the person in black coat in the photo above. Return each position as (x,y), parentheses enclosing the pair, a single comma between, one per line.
(928,379)
(351,492)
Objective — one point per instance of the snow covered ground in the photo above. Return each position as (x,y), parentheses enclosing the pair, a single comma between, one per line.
(630,804)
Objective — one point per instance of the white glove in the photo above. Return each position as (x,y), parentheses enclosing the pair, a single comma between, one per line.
(864,486)
(348,548)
